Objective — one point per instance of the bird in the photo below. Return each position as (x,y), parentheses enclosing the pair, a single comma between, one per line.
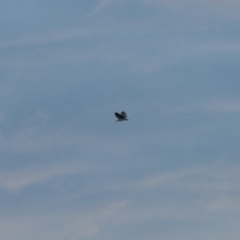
(121,116)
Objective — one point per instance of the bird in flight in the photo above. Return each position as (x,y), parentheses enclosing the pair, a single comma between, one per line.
(121,116)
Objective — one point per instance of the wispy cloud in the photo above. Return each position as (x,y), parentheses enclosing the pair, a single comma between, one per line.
(224,106)
(219,46)
(214,178)
(42,39)
(224,204)
(61,224)
(211,3)
(68,171)
(146,201)
(16,180)
(100,6)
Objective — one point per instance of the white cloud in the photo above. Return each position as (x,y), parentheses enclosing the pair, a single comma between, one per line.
(213,178)
(223,4)
(35,139)
(224,204)
(223,106)
(47,227)
(141,206)
(60,224)
(16,180)
(103,185)
(219,46)
(42,39)
(100,6)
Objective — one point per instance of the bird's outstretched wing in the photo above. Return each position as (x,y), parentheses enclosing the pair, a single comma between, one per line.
(119,116)
(124,114)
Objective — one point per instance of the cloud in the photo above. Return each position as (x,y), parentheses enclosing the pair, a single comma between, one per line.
(224,204)
(48,226)
(176,4)
(44,39)
(224,106)
(198,194)
(34,139)
(19,179)
(224,46)
(68,174)
(100,6)
(61,224)
(213,178)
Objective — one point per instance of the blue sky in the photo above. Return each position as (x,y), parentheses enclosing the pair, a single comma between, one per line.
(69,171)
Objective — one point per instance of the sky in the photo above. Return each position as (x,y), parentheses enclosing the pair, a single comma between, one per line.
(68,171)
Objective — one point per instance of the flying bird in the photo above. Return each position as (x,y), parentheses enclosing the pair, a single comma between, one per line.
(121,116)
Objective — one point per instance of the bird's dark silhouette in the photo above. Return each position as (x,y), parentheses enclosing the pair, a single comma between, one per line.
(121,116)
